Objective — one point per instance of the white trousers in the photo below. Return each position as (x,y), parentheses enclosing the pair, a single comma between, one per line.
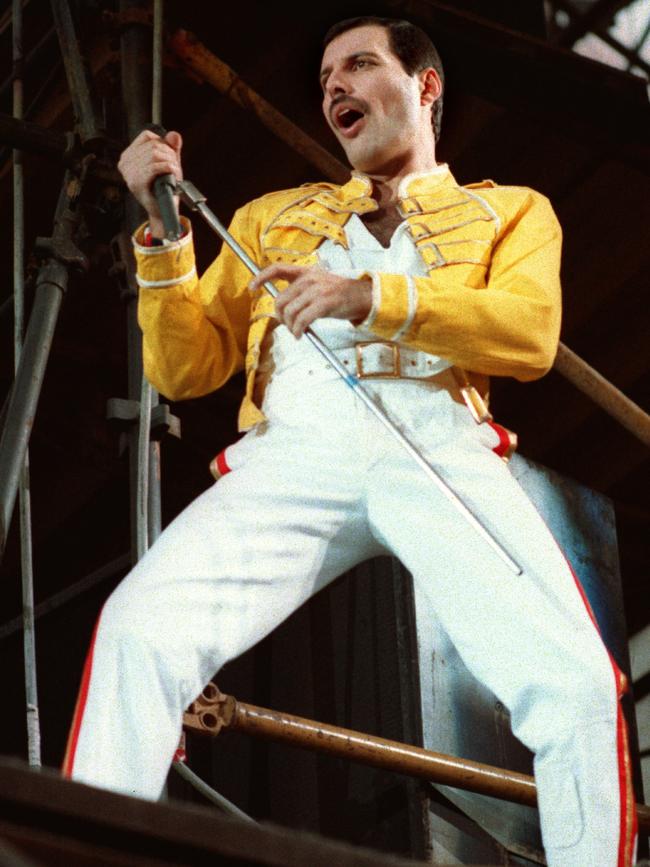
(320,489)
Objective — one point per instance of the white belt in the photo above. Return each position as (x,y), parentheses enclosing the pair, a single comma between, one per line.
(386,360)
(377,359)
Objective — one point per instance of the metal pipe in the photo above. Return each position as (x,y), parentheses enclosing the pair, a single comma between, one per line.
(208,792)
(143,448)
(5,404)
(24,399)
(154,469)
(18,189)
(25,516)
(135,59)
(602,392)
(195,200)
(157,54)
(30,136)
(210,68)
(213,711)
(52,281)
(148,521)
(90,131)
(144,470)
(51,604)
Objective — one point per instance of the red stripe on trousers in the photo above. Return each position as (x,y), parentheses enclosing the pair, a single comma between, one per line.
(629,823)
(73,738)
(222,464)
(504,439)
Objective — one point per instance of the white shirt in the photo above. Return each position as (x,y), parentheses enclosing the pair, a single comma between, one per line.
(364,254)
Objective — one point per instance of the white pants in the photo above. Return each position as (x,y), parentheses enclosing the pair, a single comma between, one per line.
(322,488)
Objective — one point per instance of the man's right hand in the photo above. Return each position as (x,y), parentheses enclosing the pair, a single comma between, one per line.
(146,157)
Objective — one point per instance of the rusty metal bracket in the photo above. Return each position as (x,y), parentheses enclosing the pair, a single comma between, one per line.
(212,712)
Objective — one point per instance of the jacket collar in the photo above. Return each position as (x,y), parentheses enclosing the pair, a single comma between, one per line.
(419,183)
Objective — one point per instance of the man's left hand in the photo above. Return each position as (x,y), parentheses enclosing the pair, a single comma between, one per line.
(313,293)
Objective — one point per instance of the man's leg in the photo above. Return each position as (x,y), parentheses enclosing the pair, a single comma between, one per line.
(529,638)
(228,570)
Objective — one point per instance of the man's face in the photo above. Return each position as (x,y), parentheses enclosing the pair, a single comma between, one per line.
(369,101)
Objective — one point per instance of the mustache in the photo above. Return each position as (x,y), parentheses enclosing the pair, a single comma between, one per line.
(350,102)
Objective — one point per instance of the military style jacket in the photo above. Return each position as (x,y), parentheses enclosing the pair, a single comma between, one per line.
(490,303)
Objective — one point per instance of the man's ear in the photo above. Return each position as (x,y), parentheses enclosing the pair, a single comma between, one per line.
(430,86)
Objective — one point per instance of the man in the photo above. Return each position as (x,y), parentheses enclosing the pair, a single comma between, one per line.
(423,288)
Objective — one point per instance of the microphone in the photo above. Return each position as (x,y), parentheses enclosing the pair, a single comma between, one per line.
(163,189)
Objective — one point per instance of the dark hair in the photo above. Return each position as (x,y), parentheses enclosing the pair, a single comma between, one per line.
(409,43)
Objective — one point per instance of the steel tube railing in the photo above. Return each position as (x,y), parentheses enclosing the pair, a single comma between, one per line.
(213,712)
(25,516)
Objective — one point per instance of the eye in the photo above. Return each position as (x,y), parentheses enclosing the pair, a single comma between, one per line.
(359,64)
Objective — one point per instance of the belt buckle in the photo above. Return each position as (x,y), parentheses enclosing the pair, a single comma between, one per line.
(395,373)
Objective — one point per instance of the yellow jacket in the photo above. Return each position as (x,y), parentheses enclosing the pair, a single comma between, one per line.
(490,303)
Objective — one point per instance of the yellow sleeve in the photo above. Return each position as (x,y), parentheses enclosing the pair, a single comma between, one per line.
(194,331)
(508,328)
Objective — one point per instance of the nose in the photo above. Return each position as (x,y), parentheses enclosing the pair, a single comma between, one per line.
(337,83)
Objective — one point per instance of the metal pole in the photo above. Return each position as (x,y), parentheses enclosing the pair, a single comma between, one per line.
(157,54)
(142,494)
(602,392)
(195,200)
(109,570)
(213,711)
(90,131)
(28,382)
(208,792)
(27,570)
(143,464)
(154,520)
(147,473)
(31,137)
(51,283)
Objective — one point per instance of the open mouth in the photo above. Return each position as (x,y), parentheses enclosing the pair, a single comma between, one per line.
(347,119)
